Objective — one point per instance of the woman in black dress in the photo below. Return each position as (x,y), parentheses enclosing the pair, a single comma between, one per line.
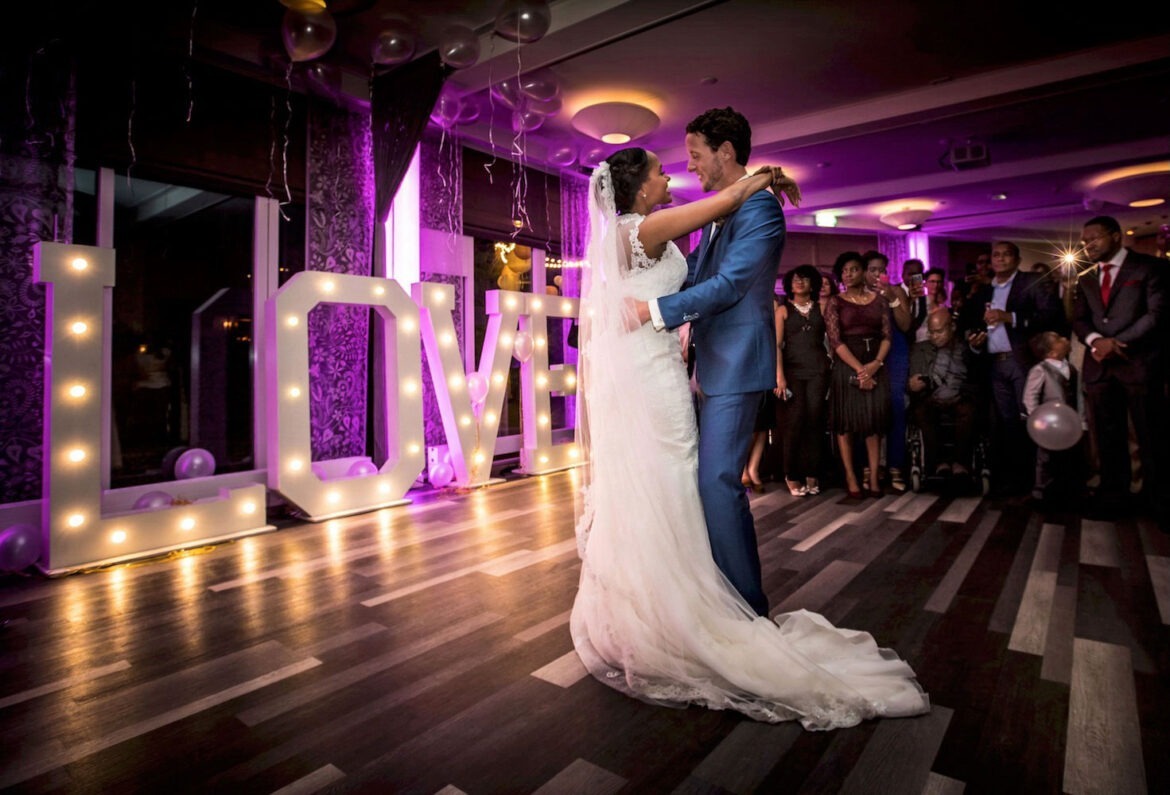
(858,327)
(803,378)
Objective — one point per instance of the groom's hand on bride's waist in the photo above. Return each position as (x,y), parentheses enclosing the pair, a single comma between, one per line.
(637,314)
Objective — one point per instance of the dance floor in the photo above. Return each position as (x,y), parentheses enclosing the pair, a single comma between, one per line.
(425,649)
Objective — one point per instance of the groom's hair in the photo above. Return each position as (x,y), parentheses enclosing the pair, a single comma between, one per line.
(628,168)
(725,124)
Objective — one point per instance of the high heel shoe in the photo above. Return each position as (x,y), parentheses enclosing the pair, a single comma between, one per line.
(812,488)
(853,493)
(795,488)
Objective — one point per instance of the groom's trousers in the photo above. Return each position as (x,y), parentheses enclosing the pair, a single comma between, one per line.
(726,423)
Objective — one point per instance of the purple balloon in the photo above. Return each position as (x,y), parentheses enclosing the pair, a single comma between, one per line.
(195,463)
(526,121)
(563,156)
(361,469)
(153,500)
(20,547)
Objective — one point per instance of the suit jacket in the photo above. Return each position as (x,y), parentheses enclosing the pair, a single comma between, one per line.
(728,299)
(1036,309)
(1133,316)
(1046,383)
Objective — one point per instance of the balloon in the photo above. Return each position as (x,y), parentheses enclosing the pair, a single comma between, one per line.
(522,347)
(524,253)
(563,156)
(508,94)
(195,463)
(526,121)
(540,85)
(547,107)
(395,44)
(459,47)
(307,33)
(441,474)
(360,469)
(20,547)
(558,280)
(593,158)
(551,290)
(153,500)
(477,387)
(168,460)
(508,280)
(1054,426)
(523,21)
(468,111)
(446,111)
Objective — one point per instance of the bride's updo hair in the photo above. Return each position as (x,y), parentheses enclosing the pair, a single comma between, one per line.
(628,168)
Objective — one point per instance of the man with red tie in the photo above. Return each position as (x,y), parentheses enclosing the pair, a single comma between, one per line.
(1118,315)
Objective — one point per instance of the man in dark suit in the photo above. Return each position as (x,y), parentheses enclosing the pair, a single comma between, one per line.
(999,320)
(1118,315)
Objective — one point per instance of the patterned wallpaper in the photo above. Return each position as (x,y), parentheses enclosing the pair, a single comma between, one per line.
(340,230)
(36,203)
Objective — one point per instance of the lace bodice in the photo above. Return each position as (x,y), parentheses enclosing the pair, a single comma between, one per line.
(650,278)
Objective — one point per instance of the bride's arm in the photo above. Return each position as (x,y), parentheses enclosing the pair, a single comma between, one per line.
(662,226)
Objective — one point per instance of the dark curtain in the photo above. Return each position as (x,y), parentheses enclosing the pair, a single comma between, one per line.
(400,106)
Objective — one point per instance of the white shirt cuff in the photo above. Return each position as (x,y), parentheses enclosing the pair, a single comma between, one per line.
(655,315)
(1091,337)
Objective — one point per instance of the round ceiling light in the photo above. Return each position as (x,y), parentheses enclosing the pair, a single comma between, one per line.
(1146,189)
(906,220)
(615,122)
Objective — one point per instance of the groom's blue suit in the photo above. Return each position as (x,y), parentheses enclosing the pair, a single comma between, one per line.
(728,302)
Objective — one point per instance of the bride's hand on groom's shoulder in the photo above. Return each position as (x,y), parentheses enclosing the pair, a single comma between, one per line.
(782,185)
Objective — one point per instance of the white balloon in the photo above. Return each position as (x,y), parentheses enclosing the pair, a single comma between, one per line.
(195,463)
(307,33)
(153,500)
(523,21)
(359,469)
(540,85)
(394,44)
(477,387)
(1054,426)
(441,474)
(522,347)
(459,47)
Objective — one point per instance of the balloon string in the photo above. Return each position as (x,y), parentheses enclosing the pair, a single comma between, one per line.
(130,131)
(271,144)
(491,112)
(190,57)
(285,138)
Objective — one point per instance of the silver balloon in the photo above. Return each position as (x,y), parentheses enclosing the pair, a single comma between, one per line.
(543,108)
(523,21)
(307,33)
(1054,426)
(195,463)
(153,500)
(563,156)
(540,85)
(459,47)
(361,469)
(394,45)
(20,547)
(508,94)
(526,121)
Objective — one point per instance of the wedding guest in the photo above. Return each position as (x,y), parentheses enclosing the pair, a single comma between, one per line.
(940,386)
(1058,472)
(858,325)
(803,377)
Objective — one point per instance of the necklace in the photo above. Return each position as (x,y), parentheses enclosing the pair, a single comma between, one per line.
(804,308)
(856,299)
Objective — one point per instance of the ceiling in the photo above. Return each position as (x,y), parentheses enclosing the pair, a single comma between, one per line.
(865,103)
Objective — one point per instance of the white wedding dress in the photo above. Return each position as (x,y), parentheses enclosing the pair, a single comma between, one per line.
(654,617)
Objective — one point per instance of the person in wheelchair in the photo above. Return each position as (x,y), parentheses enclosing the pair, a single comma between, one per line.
(941,387)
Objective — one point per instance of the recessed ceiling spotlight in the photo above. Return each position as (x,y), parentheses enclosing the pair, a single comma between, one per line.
(824,164)
(709,80)
(998,197)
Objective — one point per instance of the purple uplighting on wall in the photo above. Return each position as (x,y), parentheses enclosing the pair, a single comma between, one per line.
(340,230)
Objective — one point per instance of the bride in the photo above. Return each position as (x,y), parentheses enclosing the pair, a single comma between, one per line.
(654,617)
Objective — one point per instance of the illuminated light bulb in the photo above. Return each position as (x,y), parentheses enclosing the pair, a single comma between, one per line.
(465,420)
(80,264)
(409,387)
(379,290)
(490,416)
(383,488)
(75,520)
(415,448)
(118,536)
(510,302)
(77,391)
(457,381)
(437,298)
(79,327)
(479,458)
(446,338)
(295,465)
(570,379)
(187,524)
(540,342)
(543,419)
(248,507)
(566,306)
(292,321)
(544,459)
(498,378)
(537,303)
(541,381)
(328,286)
(573,451)
(76,455)
(407,324)
(506,340)
(334,497)
(294,391)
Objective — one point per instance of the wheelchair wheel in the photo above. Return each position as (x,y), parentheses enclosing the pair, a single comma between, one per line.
(916,479)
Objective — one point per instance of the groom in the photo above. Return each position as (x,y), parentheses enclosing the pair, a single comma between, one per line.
(728,302)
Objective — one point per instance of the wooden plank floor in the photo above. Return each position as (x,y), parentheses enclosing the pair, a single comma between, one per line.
(425,649)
